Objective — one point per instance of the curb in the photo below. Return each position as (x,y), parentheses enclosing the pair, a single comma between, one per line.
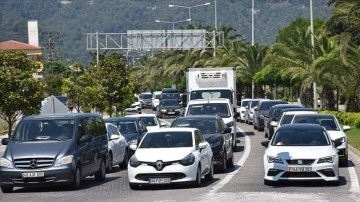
(353,149)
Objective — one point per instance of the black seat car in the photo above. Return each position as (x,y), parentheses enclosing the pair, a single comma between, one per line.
(132,128)
(261,110)
(216,132)
(275,115)
(56,149)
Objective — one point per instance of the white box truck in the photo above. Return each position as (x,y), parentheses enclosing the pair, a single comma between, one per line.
(211,83)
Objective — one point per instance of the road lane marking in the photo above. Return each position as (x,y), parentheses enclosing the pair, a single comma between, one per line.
(242,160)
(353,176)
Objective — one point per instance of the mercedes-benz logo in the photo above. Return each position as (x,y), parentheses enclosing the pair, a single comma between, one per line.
(300,162)
(33,163)
(159,165)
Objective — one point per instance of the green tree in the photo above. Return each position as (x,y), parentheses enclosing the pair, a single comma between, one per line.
(21,93)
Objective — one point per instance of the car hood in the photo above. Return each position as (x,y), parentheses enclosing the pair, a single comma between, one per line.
(130,136)
(169,107)
(152,128)
(213,137)
(46,149)
(336,134)
(164,154)
(301,152)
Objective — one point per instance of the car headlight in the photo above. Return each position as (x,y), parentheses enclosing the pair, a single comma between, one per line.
(342,139)
(134,141)
(230,124)
(273,159)
(163,110)
(177,110)
(215,144)
(188,160)
(65,160)
(5,163)
(134,162)
(328,159)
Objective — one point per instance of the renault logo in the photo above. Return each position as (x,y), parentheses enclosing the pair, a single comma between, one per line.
(159,165)
(300,162)
(33,163)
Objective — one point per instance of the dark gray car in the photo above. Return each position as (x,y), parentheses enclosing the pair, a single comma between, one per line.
(58,149)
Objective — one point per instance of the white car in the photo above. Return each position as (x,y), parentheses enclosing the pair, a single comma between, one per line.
(117,146)
(171,155)
(288,115)
(136,106)
(249,110)
(242,110)
(299,152)
(151,121)
(332,126)
(155,100)
(215,106)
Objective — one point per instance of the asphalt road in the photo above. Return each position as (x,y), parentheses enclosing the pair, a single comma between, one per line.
(243,183)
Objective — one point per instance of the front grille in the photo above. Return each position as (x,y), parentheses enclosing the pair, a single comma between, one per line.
(33,163)
(172,176)
(300,174)
(45,179)
(300,161)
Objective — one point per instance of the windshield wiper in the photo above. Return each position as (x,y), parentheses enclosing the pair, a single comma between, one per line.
(46,138)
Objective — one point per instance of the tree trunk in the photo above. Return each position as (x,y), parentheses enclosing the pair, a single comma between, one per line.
(328,98)
(352,104)
(307,98)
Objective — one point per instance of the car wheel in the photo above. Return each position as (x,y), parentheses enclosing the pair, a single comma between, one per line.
(197,182)
(234,140)
(7,189)
(210,175)
(266,135)
(254,125)
(223,166)
(100,174)
(268,182)
(77,179)
(124,163)
(110,164)
(133,186)
(230,162)
(334,183)
(344,162)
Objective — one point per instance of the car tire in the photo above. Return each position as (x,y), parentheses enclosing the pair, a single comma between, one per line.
(230,162)
(334,183)
(223,167)
(210,175)
(133,186)
(254,125)
(234,142)
(109,166)
(343,162)
(266,135)
(197,182)
(6,189)
(268,182)
(124,163)
(77,178)
(100,174)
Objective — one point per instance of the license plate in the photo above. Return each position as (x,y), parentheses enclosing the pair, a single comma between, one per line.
(171,112)
(300,169)
(159,181)
(33,174)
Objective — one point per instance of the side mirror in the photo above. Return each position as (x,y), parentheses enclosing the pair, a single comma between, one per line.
(5,141)
(162,124)
(246,107)
(114,137)
(346,128)
(337,142)
(202,145)
(236,115)
(255,108)
(265,143)
(274,123)
(133,147)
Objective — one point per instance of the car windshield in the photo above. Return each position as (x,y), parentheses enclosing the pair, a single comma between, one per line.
(145,96)
(169,103)
(127,127)
(286,119)
(244,103)
(158,96)
(254,103)
(150,121)
(175,96)
(36,130)
(300,137)
(167,140)
(206,126)
(220,109)
(328,122)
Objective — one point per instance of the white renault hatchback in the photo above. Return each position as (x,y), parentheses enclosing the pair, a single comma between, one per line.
(301,152)
(151,121)
(171,155)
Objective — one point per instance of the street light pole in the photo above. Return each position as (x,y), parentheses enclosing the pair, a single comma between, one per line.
(313,56)
(215,16)
(189,7)
(173,22)
(252,22)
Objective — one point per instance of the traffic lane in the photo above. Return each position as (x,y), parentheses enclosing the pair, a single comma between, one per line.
(252,173)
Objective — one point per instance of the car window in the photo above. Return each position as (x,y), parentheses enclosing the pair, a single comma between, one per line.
(254,103)
(244,103)
(128,127)
(149,121)
(220,109)
(300,137)
(286,119)
(167,140)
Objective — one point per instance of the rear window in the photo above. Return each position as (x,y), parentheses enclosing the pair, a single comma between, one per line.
(167,140)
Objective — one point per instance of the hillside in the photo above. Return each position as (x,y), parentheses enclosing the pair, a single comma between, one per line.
(72,19)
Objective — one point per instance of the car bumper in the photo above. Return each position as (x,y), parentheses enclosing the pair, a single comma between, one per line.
(177,113)
(177,172)
(324,171)
(52,176)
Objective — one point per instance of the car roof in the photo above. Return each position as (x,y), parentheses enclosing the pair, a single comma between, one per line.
(179,129)
(299,112)
(287,106)
(211,100)
(141,115)
(317,115)
(300,126)
(59,116)
(198,117)
(122,118)
(296,109)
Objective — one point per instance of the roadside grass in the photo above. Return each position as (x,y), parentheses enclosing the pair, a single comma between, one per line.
(353,136)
